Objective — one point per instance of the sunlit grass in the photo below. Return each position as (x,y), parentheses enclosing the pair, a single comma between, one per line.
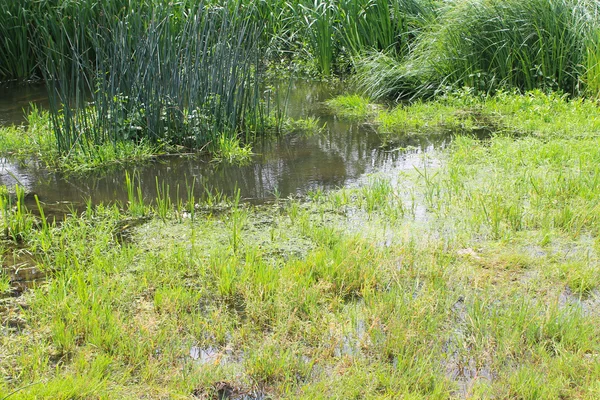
(535,113)
(491,45)
(352,107)
(471,277)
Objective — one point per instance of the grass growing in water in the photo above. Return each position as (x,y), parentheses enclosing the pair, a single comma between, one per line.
(182,82)
(483,281)
(36,139)
(352,107)
(535,113)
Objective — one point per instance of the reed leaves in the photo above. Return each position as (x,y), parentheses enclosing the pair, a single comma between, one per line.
(178,75)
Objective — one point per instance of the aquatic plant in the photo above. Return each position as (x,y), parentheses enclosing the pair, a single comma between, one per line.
(329,32)
(320,22)
(17,221)
(17,60)
(161,80)
(351,107)
(388,25)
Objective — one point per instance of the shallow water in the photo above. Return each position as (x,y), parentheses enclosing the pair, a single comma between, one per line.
(16,98)
(344,154)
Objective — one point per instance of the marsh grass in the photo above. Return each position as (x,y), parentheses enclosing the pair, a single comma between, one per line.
(301,299)
(159,80)
(491,45)
(352,107)
(465,112)
(490,290)
(18,222)
(308,126)
(330,34)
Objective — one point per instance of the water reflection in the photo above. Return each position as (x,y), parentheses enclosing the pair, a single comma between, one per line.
(290,165)
(16,98)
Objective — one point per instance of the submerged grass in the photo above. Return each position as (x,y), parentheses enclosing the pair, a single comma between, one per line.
(470,279)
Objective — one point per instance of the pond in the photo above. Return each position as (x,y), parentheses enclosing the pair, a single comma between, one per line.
(292,165)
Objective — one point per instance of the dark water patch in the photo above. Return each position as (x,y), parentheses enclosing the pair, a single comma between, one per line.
(15,100)
(292,165)
(228,391)
(22,271)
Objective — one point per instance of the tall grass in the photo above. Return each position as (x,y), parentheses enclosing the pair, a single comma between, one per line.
(390,25)
(320,18)
(16,54)
(491,44)
(329,32)
(175,74)
(338,31)
(21,23)
(592,65)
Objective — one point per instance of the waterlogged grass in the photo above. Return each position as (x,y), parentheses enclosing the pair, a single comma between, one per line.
(474,276)
(36,140)
(535,113)
(352,107)
(231,151)
(308,126)
(493,287)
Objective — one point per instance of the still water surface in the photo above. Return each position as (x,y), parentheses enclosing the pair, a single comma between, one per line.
(343,155)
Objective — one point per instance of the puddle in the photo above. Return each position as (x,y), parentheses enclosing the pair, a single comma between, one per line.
(227,391)
(588,304)
(16,97)
(22,271)
(344,154)
(207,355)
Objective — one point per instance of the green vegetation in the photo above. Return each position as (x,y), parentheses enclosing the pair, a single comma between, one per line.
(472,278)
(187,82)
(37,140)
(194,74)
(184,73)
(474,274)
(307,126)
(534,114)
(498,44)
(352,107)
(329,33)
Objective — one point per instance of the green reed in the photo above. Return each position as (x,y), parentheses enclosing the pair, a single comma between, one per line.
(17,220)
(174,75)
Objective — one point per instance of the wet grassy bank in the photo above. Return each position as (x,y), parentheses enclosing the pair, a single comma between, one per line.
(473,276)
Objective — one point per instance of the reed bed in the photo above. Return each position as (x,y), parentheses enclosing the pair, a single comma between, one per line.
(313,29)
(184,76)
